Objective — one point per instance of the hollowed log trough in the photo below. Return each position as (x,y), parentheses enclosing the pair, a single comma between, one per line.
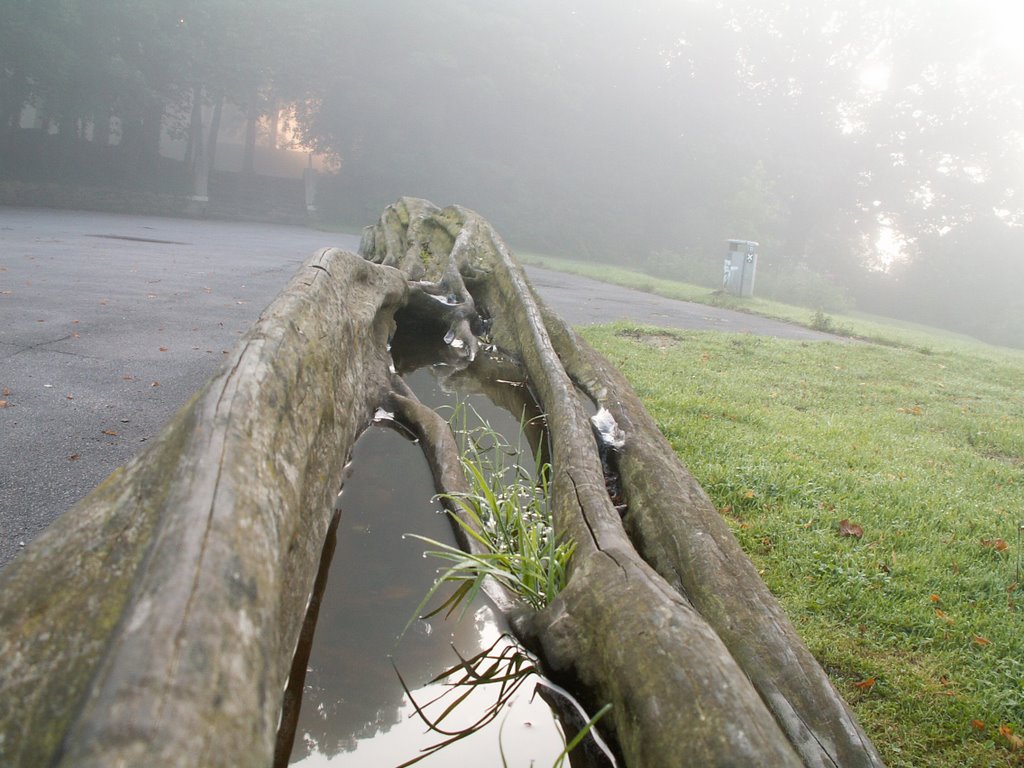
(155,623)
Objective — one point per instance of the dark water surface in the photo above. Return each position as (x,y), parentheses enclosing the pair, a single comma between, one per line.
(354,710)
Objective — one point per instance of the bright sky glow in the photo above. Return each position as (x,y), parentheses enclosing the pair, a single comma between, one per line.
(888,246)
(875,77)
(1008,29)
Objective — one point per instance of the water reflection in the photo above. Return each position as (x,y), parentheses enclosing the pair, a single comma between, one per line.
(354,711)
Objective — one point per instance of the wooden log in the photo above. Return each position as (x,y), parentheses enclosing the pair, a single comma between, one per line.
(154,623)
(677,529)
(637,626)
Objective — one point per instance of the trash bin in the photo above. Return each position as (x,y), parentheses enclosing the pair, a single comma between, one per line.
(740,265)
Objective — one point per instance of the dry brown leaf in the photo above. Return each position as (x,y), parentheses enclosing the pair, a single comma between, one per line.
(977,725)
(1015,741)
(866,685)
(74,457)
(110,432)
(995,544)
(846,528)
(981,640)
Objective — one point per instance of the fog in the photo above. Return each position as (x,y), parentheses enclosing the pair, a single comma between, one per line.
(873,149)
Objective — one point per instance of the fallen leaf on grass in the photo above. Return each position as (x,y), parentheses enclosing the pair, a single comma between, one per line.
(934,598)
(997,545)
(981,640)
(977,725)
(846,528)
(1015,741)
(866,685)
(942,615)
(914,411)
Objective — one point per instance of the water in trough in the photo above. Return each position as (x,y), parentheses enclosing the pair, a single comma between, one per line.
(354,711)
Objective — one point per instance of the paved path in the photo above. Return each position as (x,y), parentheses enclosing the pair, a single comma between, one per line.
(582,301)
(109,323)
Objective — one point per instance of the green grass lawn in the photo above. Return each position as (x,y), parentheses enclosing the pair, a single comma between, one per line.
(918,621)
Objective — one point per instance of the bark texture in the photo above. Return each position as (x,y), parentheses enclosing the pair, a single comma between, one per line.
(156,622)
(664,616)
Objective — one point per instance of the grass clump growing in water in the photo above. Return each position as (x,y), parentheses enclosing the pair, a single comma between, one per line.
(507,512)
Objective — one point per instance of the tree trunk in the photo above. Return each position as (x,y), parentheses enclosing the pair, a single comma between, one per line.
(252,115)
(275,123)
(195,125)
(214,137)
(198,156)
(155,622)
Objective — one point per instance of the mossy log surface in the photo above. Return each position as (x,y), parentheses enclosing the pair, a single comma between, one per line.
(155,623)
(664,616)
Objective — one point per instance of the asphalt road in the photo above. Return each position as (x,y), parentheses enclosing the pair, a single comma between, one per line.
(581,301)
(108,324)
